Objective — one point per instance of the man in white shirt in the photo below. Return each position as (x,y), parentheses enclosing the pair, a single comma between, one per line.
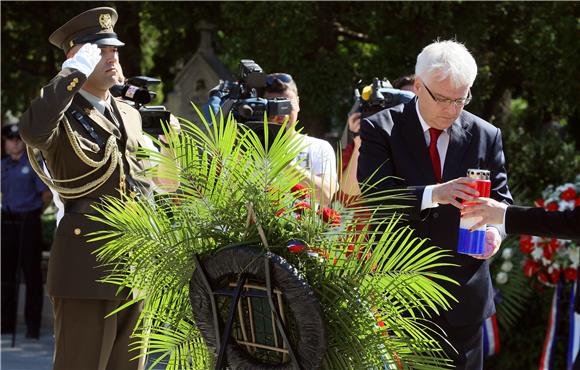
(318,159)
(423,149)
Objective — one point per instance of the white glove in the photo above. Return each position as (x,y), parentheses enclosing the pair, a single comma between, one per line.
(85,60)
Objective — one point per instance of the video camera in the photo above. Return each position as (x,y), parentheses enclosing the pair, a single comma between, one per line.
(378,96)
(136,90)
(241,97)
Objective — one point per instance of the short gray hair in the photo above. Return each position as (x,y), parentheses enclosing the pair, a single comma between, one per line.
(446,59)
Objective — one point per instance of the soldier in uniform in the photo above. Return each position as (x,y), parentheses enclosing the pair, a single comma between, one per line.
(24,197)
(88,141)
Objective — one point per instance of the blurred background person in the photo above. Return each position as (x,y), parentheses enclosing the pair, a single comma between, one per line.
(24,197)
(405,83)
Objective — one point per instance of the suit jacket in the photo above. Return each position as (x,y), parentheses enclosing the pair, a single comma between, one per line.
(393,144)
(538,221)
(73,270)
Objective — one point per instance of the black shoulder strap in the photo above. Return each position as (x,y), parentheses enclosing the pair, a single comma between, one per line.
(88,125)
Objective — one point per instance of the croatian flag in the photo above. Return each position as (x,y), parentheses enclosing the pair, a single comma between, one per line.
(550,341)
(574,335)
(490,336)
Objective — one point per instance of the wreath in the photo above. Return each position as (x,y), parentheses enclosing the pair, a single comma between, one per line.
(361,288)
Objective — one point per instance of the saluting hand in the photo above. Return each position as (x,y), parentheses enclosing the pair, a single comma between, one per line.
(448,192)
(83,58)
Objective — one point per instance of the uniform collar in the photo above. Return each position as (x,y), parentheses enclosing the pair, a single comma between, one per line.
(95,101)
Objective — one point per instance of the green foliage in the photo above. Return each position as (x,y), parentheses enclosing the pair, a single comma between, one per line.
(512,297)
(538,159)
(222,171)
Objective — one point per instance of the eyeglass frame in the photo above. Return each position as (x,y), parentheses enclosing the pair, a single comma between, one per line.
(462,102)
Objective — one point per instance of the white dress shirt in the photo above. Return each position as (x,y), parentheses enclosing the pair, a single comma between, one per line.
(442,144)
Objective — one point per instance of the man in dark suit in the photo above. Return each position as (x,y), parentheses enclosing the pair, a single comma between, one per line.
(530,220)
(526,220)
(424,148)
(89,142)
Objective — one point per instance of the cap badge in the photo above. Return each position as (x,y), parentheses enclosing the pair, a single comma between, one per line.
(105,21)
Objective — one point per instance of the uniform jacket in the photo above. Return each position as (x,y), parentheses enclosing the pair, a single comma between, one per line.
(73,270)
(393,144)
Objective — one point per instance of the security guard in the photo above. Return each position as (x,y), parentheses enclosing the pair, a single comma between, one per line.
(88,140)
(24,197)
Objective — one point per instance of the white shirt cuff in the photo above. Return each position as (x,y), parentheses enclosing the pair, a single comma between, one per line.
(427,201)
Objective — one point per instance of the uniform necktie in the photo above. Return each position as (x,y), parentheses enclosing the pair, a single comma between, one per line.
(434,153)
(109,113)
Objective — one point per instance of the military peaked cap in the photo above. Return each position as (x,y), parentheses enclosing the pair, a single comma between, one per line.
(93,26)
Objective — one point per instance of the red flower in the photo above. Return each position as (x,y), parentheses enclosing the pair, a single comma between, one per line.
(555,276)
(550,248)
(531,267)
(360,254)
(540,203)
(329,215)
(571,274)
(543,277)
(568,194)
(552,206)
(350,249)
(577,203)
(301,190)
(548,253)
(280,212)
(526,244)
(301,206)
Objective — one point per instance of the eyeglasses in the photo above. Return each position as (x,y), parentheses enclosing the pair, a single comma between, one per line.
(448,102)
(282,77)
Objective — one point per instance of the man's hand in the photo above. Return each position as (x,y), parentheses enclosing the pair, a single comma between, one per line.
(354,127)
(354,122)
(489,210)
(492,243)
(85,59)
(448,192)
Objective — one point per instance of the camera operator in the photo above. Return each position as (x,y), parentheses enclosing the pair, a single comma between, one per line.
(363,107)
(88,141)
(318,160)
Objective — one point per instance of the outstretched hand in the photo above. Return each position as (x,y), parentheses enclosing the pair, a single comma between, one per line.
(489,210)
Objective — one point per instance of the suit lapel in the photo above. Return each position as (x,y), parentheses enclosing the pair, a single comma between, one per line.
(416,145)
(96,116)
(459,139)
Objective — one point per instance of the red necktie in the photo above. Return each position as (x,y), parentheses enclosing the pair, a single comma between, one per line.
(434,153)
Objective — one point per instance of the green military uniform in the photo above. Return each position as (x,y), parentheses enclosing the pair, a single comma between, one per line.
(88,156)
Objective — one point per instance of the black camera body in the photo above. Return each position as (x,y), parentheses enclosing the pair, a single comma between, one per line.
(379,96)
(136,91)
(242,96)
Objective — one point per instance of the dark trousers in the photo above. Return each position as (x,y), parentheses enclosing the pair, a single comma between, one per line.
(467,342)
(22,250)
(86,340)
